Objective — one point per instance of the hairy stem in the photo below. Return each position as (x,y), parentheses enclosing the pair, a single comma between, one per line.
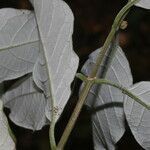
(89,82)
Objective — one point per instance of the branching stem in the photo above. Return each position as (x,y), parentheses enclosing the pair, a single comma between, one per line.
(88,84)
(120,87)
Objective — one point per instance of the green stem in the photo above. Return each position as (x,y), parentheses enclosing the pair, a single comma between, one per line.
(51,99)
(74,115)
(89,83)
(124,91)
(120,87)
(111,35)
(52,134)
(52,102)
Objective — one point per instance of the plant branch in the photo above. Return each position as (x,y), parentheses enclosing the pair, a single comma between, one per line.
(120,87)
(115,27)
(52,134)
(124,91)
(51,99)
(88,84)
(74,115)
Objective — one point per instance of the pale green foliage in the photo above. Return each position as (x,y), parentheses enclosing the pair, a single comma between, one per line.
(23,52)
(144,4)
(108,110)
(137,116)
(36,48)
(55,23)
(6,142)
(108,117)
(19,43)
(27,104)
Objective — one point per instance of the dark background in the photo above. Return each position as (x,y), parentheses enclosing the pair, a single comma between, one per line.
(93,20)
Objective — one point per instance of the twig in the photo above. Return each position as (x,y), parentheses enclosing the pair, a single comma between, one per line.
(89,83)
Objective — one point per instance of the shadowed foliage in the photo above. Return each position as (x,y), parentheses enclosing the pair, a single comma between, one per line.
(93,20)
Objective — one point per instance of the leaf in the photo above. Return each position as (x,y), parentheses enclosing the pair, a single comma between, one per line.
(106,102)
(137,116)
(6,142)
(144,4)
(19,43)
(27,104)
(56,67)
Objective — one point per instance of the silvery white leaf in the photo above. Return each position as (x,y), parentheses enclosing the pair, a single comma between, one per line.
(27,104)
(56,67)
(107,102)
(6,142)
(19,43)
(137,116)
(144,4)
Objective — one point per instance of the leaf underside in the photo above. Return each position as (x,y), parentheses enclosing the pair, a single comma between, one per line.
(137,116)
(6,142)
(106,102)
(56,67)
(19,43)
(41,46)
(37,49)
(144,4)
(27,104)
